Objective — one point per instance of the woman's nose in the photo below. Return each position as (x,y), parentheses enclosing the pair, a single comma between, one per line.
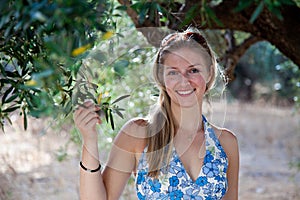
(184,79)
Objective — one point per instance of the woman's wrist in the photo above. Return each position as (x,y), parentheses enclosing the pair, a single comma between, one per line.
(90,141)
(88,169)
(90,154)
(89,136)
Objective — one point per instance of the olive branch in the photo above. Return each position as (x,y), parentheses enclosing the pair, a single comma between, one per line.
(107,108)
(88,90)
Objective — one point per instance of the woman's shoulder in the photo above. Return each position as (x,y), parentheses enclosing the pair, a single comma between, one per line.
(133,134)
(135,127)
(227,139)
(224,133)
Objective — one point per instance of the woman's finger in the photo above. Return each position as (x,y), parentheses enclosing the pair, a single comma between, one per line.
(84,110)
(89,117)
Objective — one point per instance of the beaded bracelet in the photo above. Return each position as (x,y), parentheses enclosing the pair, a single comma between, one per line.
(90,170)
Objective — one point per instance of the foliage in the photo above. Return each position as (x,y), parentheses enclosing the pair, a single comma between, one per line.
(161,12)
(204,9)
(39,42)
(43,44)
(102,67)
(272,6)
(87,88)
(147,9)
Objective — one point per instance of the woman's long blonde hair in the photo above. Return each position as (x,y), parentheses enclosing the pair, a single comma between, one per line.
(162,130)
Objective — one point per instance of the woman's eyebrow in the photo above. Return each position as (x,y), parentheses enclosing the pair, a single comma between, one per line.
(193,65)
(190,66)
(169,67)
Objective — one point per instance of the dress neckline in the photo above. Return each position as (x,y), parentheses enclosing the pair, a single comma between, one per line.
(206,143)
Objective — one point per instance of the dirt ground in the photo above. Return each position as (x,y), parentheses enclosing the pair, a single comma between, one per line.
(269,140)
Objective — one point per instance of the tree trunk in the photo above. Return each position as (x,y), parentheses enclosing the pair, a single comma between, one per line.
(282,34)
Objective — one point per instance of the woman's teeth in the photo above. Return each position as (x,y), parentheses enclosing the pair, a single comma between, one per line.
(185,92)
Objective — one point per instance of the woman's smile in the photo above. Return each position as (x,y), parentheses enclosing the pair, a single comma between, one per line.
(184,93)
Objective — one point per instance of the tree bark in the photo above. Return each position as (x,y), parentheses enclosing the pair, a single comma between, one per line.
(234,53)
(282,34)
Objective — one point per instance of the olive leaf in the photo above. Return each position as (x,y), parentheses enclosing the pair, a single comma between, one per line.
(108,109)
(120,98)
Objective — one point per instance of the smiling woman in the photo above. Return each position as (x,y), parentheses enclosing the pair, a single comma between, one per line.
(175,153)
(186,79)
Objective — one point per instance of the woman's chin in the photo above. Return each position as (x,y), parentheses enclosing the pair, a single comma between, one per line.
(189,104)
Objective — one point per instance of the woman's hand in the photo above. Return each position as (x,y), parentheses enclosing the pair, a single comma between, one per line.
(86,119)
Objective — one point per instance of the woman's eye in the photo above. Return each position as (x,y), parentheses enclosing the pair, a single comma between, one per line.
(172,73)
(194,71)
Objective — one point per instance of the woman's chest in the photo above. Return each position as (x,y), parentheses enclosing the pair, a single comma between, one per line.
(174,180)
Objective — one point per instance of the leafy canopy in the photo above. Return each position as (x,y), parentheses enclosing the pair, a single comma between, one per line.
(41,47)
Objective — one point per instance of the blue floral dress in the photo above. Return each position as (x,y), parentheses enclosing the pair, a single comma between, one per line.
(174,183)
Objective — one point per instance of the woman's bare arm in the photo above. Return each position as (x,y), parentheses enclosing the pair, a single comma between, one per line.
(122,161)
(91,184)
(110,184)
(230,144)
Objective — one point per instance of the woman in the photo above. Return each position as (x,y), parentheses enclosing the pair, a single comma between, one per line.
(175,153)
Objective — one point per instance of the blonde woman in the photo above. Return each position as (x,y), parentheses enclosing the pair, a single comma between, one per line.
(175,153)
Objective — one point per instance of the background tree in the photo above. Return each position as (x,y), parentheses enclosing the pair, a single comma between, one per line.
(264,73)
(274,21)
(43,43)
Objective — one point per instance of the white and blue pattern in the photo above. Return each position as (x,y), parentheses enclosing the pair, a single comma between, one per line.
(174,183)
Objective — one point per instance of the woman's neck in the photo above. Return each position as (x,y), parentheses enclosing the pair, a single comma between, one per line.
(188,119)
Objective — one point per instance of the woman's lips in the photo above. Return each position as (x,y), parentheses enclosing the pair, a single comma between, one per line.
(185,92)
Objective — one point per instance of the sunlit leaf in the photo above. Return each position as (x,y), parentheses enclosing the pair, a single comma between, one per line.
(31,83)
(107,35)
(80,50)
(99,98)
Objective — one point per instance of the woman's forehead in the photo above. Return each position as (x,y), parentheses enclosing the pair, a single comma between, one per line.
(187,57)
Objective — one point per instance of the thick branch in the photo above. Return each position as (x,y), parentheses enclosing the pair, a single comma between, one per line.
(284,34)
(234,53)
(148,28)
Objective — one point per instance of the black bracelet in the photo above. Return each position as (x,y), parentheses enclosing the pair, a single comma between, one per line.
(90,170)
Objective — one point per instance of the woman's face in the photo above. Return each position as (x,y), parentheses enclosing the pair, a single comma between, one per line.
(186,72)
